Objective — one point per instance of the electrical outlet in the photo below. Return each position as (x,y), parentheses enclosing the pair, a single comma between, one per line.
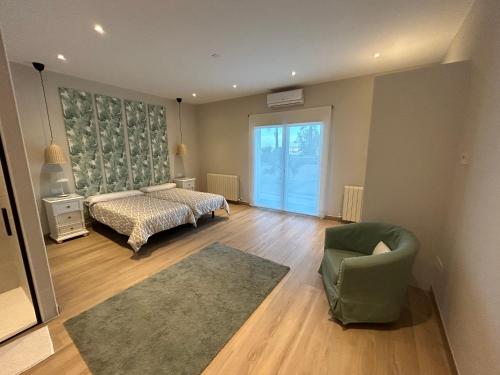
(464,158)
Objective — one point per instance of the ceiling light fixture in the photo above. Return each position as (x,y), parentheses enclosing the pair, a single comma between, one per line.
(294,73)
(194,94)
(181,147)
(376,55)
(99,29)
(61,57)
(54,154)
(235,86)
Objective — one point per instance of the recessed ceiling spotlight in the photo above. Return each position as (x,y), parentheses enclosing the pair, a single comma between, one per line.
(194,94)
(215,55)
(99,29)
(234,86)
(294,72)
(61,57)
(376,55)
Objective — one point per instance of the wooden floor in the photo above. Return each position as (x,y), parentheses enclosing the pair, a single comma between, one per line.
(290,333)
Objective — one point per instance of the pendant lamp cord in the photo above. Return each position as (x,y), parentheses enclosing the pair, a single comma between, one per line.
(46,108)
(180,123)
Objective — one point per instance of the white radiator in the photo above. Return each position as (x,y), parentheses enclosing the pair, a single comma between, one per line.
(353,202)
(226,185)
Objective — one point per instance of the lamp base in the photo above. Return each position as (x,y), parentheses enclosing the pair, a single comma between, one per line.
(63,195)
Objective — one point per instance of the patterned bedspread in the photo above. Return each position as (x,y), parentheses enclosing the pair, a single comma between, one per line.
(139,217)
(200,203)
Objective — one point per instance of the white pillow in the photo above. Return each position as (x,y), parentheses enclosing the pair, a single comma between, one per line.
(381,248)
(111,196)
(150,189)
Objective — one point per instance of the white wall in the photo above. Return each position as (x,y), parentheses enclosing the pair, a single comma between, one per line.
(223,134)
(37,135)
(468,289)
(415,128)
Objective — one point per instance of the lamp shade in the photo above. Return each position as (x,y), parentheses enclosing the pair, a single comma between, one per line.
(181,149)
(54,154)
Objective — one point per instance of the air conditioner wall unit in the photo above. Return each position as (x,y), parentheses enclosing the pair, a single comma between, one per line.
(285,98)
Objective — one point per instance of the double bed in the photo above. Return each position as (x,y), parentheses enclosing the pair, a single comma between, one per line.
(140,214)
(200,203)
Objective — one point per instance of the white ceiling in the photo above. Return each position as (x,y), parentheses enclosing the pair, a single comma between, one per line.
(164,47)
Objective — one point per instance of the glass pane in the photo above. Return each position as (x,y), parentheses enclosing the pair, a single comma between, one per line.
(268,166)
(16,307)
(303,168)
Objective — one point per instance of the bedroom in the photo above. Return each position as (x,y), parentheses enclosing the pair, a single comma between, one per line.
(396,97)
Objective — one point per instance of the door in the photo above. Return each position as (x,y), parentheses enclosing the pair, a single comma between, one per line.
(17,308)
(302,172)
(269,164)
(23,208)
(288,164)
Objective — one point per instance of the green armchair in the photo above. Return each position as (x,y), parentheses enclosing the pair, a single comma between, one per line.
(362,287)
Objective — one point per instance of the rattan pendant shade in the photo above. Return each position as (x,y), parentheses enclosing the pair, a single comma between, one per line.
(181,149)
(54,154)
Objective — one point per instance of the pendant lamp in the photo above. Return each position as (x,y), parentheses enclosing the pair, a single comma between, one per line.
(181,147)
(54,154)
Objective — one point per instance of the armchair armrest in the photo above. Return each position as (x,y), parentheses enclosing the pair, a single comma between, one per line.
(377,278)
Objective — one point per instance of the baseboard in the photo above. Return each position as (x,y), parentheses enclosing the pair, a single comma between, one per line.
(327,217)
(444,334)
(337,218)
(243,203)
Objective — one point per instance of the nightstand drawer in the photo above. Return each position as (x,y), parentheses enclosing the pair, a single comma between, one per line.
(64,207)
(188,185)
(65,229)
(70,217)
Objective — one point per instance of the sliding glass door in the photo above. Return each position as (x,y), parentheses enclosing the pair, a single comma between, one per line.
(287,166)
(269,163)
(303,168)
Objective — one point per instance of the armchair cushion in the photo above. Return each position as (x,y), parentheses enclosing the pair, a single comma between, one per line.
(381,248)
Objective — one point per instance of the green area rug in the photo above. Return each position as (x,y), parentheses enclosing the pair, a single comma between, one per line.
(176,321)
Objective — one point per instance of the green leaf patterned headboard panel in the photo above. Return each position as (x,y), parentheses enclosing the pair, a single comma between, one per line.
(159,143)
(110,120)
(140,157)
(78,114)
(98,142)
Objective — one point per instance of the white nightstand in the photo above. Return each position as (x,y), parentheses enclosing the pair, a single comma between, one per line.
(65,215)
(188,183)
